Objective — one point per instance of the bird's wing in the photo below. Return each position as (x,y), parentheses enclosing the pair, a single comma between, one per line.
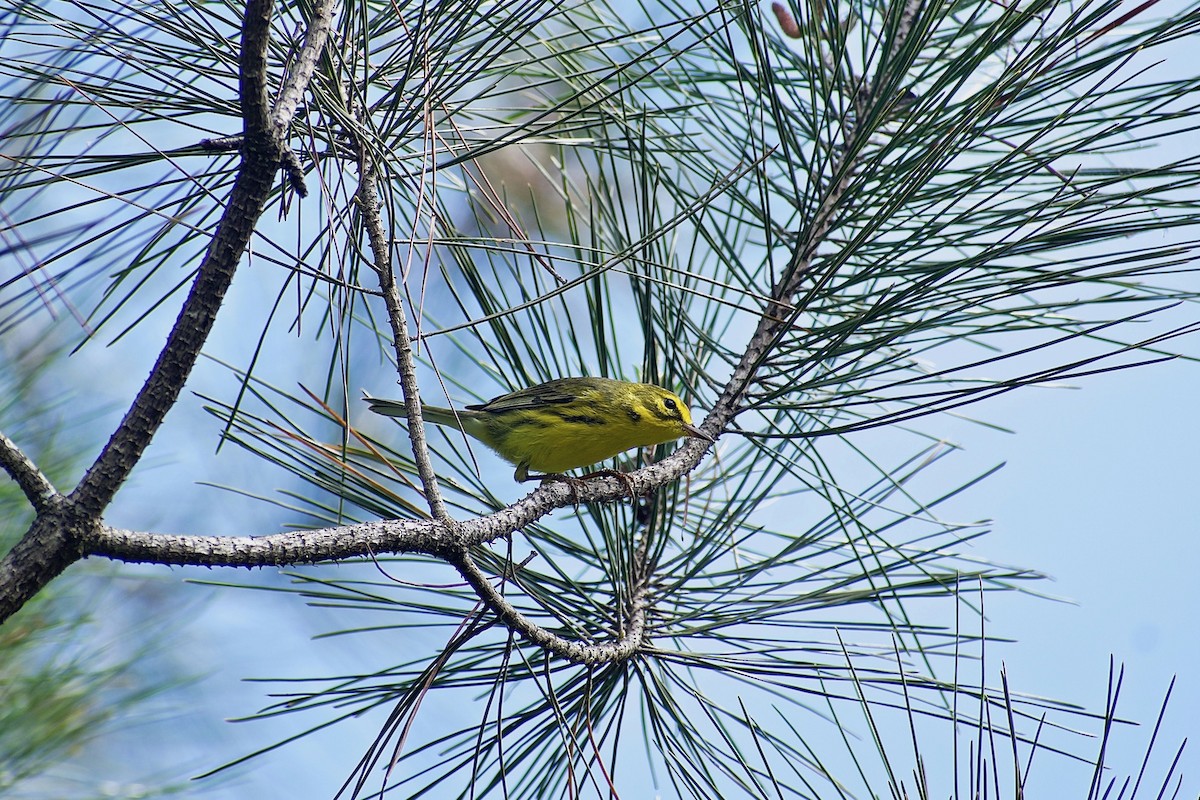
(556,392)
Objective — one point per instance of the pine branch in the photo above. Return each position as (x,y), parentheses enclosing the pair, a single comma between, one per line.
(261,153)
(36,486)
(56,538)
(431,537)
(367,197)
(631,638)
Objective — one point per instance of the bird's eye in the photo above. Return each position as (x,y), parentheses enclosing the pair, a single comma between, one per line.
(671,404)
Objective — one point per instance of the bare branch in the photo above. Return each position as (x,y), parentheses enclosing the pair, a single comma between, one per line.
(368,201)
(50,546)
(301,547)
(25,473)
(431,537)
(630,641)
(260,159)
(301,72)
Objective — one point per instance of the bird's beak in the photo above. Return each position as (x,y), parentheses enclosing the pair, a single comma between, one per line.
(696,433)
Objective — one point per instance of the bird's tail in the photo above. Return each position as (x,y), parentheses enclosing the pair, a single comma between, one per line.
(439,416)
(396,408)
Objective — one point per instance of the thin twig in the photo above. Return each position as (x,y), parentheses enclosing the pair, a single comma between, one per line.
(288,99)
(781,312)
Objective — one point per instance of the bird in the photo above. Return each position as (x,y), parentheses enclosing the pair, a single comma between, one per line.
(565,423)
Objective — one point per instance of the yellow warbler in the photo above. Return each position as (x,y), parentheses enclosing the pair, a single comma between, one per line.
(565,423)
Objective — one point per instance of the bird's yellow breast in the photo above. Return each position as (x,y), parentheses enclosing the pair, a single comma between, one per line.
(561,439)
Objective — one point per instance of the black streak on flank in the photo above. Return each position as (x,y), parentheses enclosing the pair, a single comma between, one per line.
(582,419)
